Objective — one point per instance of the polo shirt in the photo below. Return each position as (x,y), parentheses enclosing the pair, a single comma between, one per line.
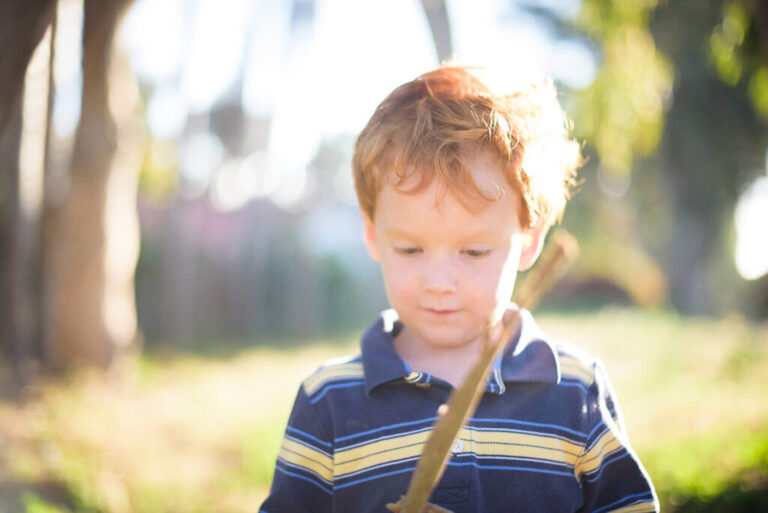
(546,436)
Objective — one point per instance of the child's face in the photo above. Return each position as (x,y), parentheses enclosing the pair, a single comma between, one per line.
(449,272)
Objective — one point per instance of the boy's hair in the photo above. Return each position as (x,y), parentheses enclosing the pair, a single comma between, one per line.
(432,124)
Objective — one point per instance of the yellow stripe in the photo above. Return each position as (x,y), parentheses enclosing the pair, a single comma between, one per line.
(379,452)
(319,378)
(574,368)
(308,458)
(642,507)
(413,376)
(594,457)
(480,442)
(522,445)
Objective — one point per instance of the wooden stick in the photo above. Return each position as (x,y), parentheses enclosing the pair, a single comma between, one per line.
(561,250)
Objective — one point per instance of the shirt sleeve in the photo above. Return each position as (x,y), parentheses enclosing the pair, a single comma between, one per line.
(612,477)
(303,479)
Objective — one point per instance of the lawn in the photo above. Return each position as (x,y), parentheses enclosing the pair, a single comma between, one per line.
(191,433)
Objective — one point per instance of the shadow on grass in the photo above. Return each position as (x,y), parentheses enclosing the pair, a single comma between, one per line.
(18,496)
(736,498)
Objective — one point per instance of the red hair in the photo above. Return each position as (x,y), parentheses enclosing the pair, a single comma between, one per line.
(428,127)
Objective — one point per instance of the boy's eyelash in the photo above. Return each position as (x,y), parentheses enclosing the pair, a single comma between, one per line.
(473,253)
(477,253)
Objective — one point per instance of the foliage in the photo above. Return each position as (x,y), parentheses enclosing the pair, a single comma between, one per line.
(674,125)
(738,50)
(622,112)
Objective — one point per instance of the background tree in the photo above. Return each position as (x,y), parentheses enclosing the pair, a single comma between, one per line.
(675,123)
(22,26)
(89,243)
(92,238)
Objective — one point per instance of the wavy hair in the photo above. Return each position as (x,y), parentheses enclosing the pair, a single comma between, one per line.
(429,126)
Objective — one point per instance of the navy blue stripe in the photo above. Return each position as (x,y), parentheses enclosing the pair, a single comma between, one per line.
(504,467)
(384,428)
(614,456)
(518,458)
(292,429)
(357,382)
(472,425)
(542,462)
(625,501)
(304,478)
(591,435)
(395,472)
(458,464)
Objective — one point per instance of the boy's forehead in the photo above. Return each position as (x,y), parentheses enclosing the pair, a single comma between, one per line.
(437,206)
(483,167)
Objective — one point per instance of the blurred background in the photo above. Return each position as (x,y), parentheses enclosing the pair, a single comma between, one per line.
(180,239)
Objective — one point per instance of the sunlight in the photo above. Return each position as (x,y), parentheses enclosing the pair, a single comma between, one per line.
(751,253)
(66,106)
(313,78)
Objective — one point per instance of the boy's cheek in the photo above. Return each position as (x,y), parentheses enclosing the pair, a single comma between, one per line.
(403,289)
(399,284)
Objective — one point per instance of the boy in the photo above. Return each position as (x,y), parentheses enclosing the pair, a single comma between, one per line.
(457,186)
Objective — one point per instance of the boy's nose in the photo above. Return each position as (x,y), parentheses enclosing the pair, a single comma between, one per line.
(439,278)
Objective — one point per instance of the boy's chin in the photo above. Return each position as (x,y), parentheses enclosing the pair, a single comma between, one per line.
(446,337)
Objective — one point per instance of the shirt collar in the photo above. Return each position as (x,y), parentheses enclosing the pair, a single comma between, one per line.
(381,364)
(530,357)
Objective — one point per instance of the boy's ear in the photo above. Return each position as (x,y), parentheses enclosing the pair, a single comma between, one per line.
(533,241)
(369,236)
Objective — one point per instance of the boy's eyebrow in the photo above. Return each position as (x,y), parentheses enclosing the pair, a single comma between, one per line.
(397,232)
(483,234)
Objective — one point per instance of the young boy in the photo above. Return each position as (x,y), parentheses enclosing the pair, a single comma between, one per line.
(457,186)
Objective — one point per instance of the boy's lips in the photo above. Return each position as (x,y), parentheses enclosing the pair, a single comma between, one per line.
(441,311)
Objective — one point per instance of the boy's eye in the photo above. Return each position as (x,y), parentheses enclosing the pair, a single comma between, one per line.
(477,253)
(406,250)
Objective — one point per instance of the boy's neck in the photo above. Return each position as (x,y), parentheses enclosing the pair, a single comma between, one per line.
(450,364)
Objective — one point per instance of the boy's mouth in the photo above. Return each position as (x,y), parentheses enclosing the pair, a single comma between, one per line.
(441,311)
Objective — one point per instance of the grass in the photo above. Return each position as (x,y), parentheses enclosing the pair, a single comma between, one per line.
(190,434)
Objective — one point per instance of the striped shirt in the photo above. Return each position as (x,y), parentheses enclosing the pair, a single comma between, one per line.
(546,436)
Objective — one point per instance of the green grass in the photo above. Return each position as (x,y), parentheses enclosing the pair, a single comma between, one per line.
(195,433)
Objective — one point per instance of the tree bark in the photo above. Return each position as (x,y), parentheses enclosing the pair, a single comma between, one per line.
(436,12)
(93,237)
(22,26)
(10,336)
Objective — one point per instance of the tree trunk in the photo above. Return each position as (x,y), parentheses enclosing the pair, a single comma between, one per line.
(22,26)
(93,237)
(436,12)
(10,336)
